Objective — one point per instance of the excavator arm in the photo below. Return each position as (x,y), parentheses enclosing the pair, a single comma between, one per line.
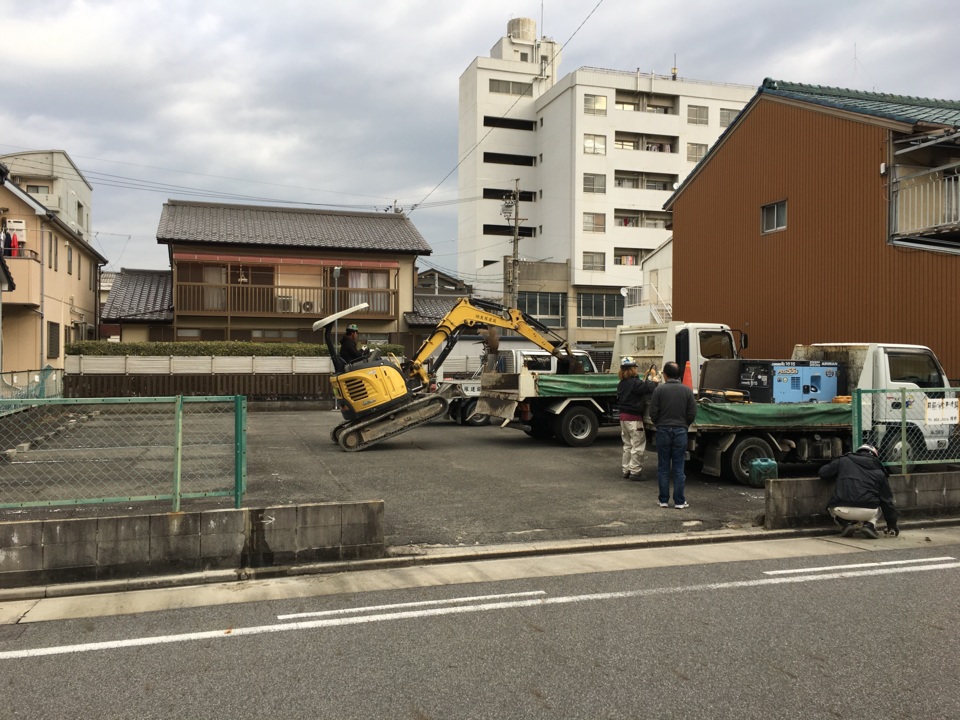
(474,314)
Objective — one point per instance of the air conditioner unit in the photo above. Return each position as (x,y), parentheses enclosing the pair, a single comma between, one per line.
(287,304)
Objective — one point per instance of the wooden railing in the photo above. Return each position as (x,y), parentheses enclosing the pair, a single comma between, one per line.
(277,300)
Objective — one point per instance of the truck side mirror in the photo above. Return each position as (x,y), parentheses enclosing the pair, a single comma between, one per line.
(744,341)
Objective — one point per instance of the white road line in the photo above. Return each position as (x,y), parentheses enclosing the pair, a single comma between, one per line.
(433,612)
(857,565)
(423,603)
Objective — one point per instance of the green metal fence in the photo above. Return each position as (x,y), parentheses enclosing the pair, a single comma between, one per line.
(76,451)
(910,428)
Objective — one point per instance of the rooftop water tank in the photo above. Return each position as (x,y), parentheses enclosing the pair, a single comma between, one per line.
(522,29)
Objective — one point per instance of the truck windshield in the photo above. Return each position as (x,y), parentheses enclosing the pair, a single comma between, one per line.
(716,344)
(918,368)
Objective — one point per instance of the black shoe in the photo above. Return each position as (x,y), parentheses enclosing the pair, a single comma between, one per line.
(635,476)
(870,531)
(847,529)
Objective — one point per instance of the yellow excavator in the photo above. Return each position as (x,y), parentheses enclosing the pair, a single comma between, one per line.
(383,397)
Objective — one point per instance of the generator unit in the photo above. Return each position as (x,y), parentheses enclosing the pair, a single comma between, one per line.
(789,381)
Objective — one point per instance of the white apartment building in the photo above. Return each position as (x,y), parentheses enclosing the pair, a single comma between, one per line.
(597,153)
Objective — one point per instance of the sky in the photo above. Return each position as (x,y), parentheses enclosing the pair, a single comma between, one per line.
(353,105)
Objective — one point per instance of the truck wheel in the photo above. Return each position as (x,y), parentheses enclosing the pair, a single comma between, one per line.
(540,429)
(453,412)
(578,426)
(738,458)
(891,450)
(475,420)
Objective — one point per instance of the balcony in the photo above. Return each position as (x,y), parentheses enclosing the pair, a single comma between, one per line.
(926,208)
(280,301)
(26,271)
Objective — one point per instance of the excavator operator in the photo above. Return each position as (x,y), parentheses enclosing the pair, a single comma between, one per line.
(348,344)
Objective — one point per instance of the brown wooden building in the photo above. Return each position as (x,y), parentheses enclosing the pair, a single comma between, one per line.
(243,272)
(826,215)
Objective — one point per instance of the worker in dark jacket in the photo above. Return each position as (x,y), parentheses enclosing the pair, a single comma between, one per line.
(633,397)
(861,494)
(348,345)
(673,408)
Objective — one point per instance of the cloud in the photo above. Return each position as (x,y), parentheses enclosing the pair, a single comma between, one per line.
(355,104)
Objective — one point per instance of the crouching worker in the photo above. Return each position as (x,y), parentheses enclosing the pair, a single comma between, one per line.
(862,493)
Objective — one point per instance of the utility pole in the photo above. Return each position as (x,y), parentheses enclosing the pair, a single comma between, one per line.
(511,207)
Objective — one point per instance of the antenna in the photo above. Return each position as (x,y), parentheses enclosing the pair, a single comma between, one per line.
(673,70)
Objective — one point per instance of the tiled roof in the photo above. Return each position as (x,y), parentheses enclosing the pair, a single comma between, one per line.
(216,223)
(140,296)
(902,108)
(429,310)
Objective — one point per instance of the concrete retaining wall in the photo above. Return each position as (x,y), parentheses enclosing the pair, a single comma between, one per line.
(798,502)
(56,551)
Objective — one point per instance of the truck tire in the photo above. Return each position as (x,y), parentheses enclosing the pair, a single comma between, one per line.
(891,448)
(453,412)
(474,420)
(737,458)
(577,426)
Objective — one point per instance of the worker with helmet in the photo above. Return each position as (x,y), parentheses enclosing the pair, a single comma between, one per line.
(348,344)
(862,493)
(633,396)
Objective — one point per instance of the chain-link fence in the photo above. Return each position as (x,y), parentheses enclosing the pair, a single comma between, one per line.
(25,384)
(910,428)
(101,450)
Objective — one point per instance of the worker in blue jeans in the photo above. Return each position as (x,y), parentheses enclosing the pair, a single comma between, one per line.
(673,408)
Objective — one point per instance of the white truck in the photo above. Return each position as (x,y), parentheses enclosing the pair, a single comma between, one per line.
(573,407)
(463,398)
(739,419)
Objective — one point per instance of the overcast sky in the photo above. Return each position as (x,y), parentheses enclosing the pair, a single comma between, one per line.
(353,105)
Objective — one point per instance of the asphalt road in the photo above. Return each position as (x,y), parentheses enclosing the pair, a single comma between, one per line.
(812,628)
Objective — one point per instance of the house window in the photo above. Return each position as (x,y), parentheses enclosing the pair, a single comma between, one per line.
(626,179)
(69,260)
(595,261)
(79,267)
(506,87)
(774,216)
(626,256)
(626,218)
(595,104)
(369,286)
(629,106)
(547,307)
(697,114)
(595,144)
(38,189)
(524,57)
(593,183)
(53,340)
(727,116)
(657,182)
(598,310)
(652,220)
(594,222)
(508,123)
(695,152)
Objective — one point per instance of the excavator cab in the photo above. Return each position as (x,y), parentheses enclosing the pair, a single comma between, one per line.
(367,384)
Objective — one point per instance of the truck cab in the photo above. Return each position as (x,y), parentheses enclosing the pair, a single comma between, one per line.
(678,342)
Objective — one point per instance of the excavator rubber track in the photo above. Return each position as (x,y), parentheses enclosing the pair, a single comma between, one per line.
(370,431)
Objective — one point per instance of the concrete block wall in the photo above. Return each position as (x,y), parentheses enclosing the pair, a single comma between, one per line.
(798,502)
(37,552)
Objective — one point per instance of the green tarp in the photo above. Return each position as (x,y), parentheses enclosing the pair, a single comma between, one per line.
(784,415)
(597,384)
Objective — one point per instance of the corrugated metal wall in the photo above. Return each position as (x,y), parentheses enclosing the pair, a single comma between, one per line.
(830,276)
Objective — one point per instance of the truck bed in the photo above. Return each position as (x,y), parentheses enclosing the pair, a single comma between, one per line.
(738,416)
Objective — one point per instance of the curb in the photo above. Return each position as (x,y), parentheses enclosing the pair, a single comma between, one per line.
(415,556)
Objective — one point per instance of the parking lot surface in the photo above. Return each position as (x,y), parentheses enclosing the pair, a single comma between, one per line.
(444,484)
